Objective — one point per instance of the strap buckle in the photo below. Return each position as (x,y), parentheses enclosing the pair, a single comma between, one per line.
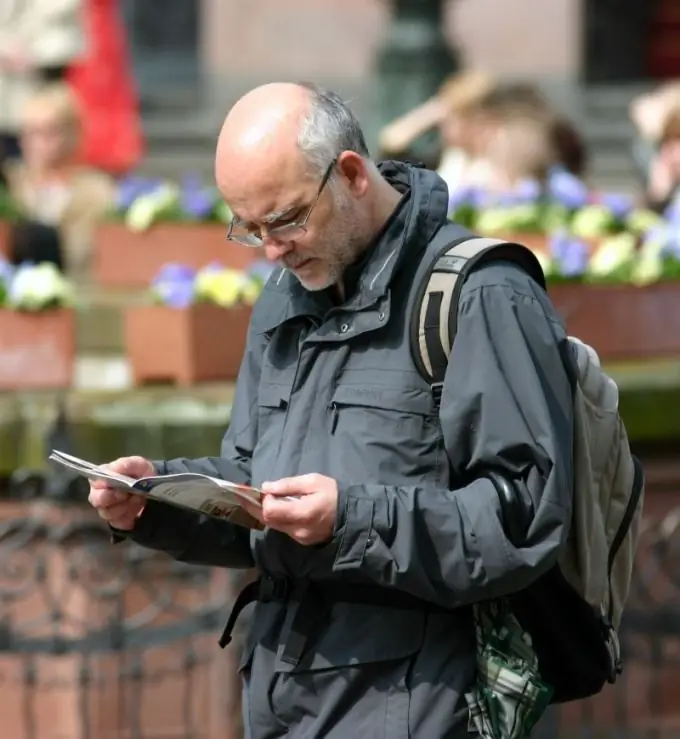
(613,648)
(437,388)
(273,588)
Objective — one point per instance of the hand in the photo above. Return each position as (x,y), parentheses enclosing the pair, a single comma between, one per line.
(118,508)
(310,518)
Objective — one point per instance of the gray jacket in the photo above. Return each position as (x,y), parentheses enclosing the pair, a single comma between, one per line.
(333,390)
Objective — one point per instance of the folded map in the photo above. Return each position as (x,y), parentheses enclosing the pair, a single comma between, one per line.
(189,490)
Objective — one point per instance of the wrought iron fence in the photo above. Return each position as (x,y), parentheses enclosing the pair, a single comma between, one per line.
(102,642)
(645,701)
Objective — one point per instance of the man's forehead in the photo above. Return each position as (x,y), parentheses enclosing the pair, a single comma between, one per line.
(265,194)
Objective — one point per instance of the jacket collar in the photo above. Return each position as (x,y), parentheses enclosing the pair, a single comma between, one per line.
(405,236)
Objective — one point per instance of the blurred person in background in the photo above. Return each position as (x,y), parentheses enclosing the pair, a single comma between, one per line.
(50,184)
(520,107)
(38,40)
(452,112)
(103,81)
(519,150)
(663,182)
(649,113)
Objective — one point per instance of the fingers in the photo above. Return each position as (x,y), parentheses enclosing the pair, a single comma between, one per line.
(120,510)
(301,485)
(280,514)
(105,497)
(131,466)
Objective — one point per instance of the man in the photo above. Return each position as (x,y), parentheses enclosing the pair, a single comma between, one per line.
(381,527)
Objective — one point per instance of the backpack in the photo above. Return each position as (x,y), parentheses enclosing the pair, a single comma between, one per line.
(563,628)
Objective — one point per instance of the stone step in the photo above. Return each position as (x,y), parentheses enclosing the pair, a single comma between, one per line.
(99,325)
(612,98)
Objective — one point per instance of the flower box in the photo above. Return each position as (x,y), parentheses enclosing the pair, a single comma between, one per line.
(37,350)
(200,343)
(539,242)
(622,321)
(4,239)
(131,259)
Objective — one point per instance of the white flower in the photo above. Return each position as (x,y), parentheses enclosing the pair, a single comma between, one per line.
(647,270)
(614,252)
(147,208)
(35,287)
(591,222)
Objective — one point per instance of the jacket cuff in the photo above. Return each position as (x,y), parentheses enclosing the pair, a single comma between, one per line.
(353,527)
(144,527)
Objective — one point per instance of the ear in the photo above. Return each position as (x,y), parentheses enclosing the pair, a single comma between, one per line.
(353,168)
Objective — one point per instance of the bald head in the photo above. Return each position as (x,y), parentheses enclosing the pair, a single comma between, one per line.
(279,135)
(264,123)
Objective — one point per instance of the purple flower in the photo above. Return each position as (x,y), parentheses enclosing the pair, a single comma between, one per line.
(6,272)
(196,200)
(175,294)
(570,254)
(567,189)
(528,191)
(671,249)
(459,198)
(174,285)
(130,188)
(172,272)
(619,204)
(471,197)
(672,212)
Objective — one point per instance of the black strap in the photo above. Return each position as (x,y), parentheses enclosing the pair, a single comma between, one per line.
(248,595)
(269,588)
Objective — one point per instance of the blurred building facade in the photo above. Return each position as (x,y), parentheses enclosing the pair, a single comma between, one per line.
(204,53)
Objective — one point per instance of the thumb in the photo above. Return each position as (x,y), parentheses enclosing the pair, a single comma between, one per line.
(292,485)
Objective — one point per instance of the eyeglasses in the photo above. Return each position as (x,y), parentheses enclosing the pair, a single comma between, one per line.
(287,231)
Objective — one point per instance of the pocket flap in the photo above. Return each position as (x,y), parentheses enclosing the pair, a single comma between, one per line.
(356,634)
(273,396)
(406,400)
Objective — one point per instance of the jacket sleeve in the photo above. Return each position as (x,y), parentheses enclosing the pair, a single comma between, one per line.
(199,539)
(507,405)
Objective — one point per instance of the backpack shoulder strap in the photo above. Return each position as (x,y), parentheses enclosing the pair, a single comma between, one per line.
(437,287)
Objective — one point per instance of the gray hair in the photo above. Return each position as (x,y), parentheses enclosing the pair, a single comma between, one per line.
(328,129)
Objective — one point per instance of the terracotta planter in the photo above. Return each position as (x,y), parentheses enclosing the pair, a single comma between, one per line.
(203,343)
(622,321)
(123,258)
(4,239)
(37,350)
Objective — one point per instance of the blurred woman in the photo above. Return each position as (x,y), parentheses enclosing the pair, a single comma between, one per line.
(523,107)
(50,184)
(38,40)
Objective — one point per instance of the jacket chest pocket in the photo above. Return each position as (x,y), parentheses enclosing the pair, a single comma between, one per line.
(388,435)
(272,406)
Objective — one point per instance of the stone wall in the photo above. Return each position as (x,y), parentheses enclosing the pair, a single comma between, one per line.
(338,38)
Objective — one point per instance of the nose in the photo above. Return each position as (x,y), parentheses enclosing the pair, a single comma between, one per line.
(276,250)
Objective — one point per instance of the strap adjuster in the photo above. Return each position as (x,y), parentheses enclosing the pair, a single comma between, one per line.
(273,588)
(437,389)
